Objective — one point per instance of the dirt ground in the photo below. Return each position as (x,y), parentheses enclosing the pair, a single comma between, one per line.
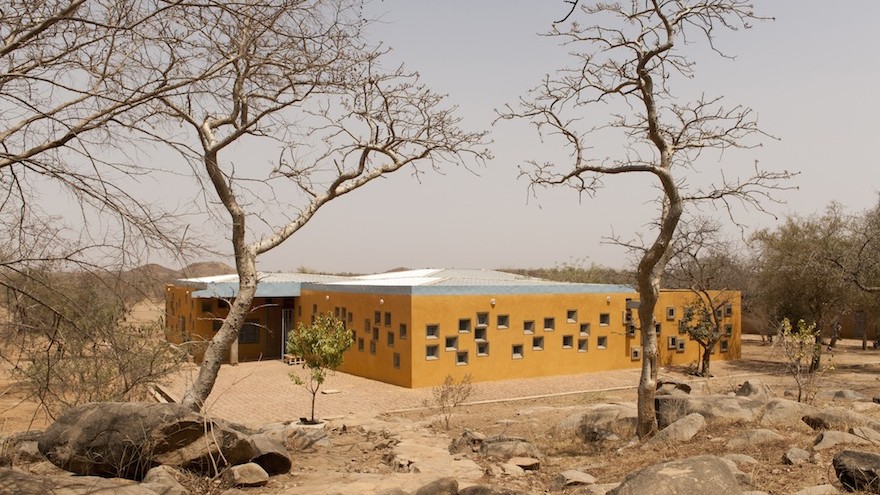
(355,451)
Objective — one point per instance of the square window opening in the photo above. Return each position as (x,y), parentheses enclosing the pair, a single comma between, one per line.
(361,345)
(402,332)
(529,327)
(373,347)
(461,358)
(568,341)
(432,331)
(390,339)
(503,321)
(671,342)
(571,316)
(482,320)
(377,317)
(387,319)
(549,324)
(451,343)
(483,349)
(583,345)
(432,352)
(517,351)
(635,353)
(604,319)
(585,330)
(602,343)
(728,310)
(670,313)
(480,334)
(725,346)
(537,343)
(396,360)
(679,345)
(464,325)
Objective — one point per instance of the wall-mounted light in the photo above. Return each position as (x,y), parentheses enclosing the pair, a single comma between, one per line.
(326,298)
(381,301)
(492,302)
(608,300)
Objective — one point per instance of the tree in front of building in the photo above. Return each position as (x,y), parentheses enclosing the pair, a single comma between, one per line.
(627,58)
(321,347)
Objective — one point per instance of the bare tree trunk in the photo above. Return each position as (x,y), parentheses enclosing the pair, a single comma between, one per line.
(707,356)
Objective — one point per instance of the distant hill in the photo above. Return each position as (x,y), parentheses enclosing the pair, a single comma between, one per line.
(150,279)
(205,269)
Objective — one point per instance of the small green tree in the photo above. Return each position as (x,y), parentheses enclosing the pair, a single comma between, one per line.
(321,346)
(801,351)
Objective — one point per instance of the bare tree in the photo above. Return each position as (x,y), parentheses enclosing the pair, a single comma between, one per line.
(301,82)
(629,61)
(860,260)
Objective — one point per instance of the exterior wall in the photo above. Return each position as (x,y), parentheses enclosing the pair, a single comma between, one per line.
(197,321)
(402,339)
(382,328)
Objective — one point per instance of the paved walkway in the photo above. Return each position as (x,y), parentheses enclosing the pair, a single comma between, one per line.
(258,393)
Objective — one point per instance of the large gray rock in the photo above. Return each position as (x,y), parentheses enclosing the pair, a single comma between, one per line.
(503,448)
(270,454)
(785,412)
(602,422)
(442,486)
(128,439)
(832,438)
(488,490)
(869,434)
(247,475)
(795,456)
(17,483)
(572,477)
(838,419)
(753,438)
(713,408)
(755,389)
(825,489)
(163,480)
(701,475)
(680,431)
(858,470)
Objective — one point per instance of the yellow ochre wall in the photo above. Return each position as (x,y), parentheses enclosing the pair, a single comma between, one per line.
(376,358)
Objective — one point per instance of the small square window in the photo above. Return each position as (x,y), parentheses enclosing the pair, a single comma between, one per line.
(728,310)
(314,308)
(549,324)
(343,313)
(375,334)
(482,349)
(571,316)
(604,319)
(451,343)
(583,345)
(367,325)
(336,312)
(390,339)
(602,343)
(568,341)
(719,312)
(657,328)
(464,325)
(528,327)
(396,360)
(350,318)
(537,343)
(725,346)
(503,321)
(682,326)
(728,329)
(372,347)
(670,313)
(432,352)
(461,358)
(671,342)
(585,330)
(377,318)
(630,330)
(387,319)
(517,351)
(207,306)
(402,332)
(482,320)
(480,334)
(361,345)
(432,331)
(635,353)
(679,345)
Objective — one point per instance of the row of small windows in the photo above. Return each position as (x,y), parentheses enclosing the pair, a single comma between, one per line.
(725,311)
(432,330)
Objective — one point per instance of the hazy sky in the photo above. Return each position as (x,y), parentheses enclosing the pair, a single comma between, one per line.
(811,75)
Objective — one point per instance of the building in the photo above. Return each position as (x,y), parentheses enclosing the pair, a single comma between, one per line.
(413,328)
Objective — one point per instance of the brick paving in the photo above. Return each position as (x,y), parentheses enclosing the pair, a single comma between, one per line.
(258,393)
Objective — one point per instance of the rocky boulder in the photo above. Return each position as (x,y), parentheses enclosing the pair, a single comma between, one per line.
(701,475)
(755,389)
(858,471)
(504,447)
(785,412)
(680,431)
(838,419)
(671,408)
(128,439)
(17,483)
(602,422)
